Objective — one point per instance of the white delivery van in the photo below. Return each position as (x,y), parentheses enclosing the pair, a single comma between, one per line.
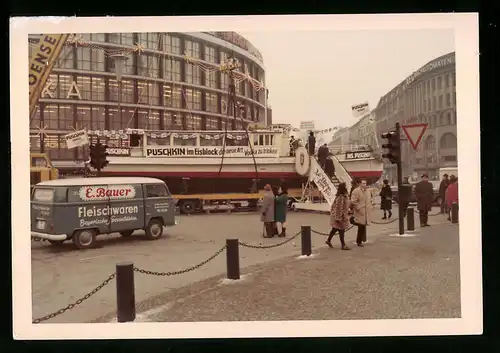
(82,208)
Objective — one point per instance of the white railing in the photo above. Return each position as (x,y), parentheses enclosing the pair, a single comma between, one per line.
(341,173)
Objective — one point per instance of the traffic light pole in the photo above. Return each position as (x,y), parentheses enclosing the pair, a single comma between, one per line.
(401,203)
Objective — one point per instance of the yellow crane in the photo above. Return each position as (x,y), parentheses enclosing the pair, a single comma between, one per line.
(42,61)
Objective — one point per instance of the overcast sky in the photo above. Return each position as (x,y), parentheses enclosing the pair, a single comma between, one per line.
(319,75)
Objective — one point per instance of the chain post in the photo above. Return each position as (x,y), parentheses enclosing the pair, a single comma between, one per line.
(125,292)
(306,240)
(410,218)
(233,259)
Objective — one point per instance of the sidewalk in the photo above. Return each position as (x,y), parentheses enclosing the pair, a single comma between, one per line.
(390,278)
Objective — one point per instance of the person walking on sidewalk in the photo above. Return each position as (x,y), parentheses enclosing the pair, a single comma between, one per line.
(311,143)
(442,192)
(451,194)
(424,194)
(361,200)
(339,216)
(267,211)
(280,211)
(386,199)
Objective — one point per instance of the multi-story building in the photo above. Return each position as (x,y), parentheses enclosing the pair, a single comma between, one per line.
(426,96)
(160,87)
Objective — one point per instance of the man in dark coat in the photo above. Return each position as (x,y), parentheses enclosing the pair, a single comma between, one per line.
(442,192)
(322,155)
(311,143)
(424,194)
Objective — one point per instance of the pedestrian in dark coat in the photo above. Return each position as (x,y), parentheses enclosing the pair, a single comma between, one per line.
(322,155)
(424,194)
(311,143)
(386,199)
(442,192)
(339,216)
(280,211)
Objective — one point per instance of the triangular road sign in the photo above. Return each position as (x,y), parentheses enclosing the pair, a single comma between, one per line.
(414,132)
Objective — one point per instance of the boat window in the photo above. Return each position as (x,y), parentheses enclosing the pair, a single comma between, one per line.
(159,141)
(261,140)
(256,140)
(185,140)
(268,141)
(135,140)
(211,140)
(237,140)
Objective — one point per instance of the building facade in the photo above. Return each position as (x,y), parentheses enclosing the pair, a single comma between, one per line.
(427,96)
(170,81)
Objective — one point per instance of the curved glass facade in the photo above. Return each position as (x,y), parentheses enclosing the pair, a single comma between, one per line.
(161,88)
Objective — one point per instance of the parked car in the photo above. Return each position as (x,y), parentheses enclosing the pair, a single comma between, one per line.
(413,198)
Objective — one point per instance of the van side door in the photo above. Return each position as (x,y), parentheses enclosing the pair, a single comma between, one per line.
(159,203)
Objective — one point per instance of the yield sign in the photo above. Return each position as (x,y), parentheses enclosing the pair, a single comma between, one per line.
(414,132)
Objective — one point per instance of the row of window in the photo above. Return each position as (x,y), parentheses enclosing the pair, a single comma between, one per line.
(83,58)
(421,97)
(64,116)
(66,86)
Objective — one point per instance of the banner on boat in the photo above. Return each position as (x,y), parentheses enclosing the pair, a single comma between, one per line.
(324,184)
(212,151)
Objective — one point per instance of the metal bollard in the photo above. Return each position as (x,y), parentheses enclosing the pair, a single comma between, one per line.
(125,292)
(306,240)
(233,259)
(454,212)
(410,220)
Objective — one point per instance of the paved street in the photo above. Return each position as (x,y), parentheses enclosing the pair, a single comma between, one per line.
(392,278)
(61,275)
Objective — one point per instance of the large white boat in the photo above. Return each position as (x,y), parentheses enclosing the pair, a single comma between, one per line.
(221,161)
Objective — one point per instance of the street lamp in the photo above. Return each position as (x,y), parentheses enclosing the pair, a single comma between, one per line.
(119,60)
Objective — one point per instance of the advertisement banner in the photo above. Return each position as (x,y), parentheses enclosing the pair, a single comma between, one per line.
(212,151)
(360,109)
(324,184)
(118,151)
(76,139)
(307,125)
(42,61)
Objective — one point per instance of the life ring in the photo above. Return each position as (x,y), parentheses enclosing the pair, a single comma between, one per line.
(302,161)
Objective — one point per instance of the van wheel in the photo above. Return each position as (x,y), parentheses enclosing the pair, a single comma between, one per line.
(188,207)
(84,239)
(126,233)
(154,230)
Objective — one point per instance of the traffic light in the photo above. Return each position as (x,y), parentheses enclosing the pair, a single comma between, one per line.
(98,156)
(393,146)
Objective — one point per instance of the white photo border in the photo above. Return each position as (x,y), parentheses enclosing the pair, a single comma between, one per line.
(466,29)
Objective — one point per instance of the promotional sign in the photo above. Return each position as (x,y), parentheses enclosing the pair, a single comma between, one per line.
(76,139)
(307,125)
(357,155)
(324,184)
(112,192)
(414,132)
(193,151)
(118,151)
(360,109)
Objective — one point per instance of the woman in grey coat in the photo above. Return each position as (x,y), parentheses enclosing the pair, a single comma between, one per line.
(267,211)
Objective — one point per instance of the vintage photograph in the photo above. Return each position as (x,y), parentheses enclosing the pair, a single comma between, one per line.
(234,177)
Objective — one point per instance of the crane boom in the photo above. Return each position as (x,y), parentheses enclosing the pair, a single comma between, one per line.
(41,64)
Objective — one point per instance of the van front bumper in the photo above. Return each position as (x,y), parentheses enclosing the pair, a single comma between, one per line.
(48,236)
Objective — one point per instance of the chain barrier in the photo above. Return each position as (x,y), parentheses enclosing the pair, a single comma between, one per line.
(268,246)
(78,302)
(173,273)
(430,215)
(327,234)
(391,221)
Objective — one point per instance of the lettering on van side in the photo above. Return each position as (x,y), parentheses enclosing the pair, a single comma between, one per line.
(112,192)
(90,216)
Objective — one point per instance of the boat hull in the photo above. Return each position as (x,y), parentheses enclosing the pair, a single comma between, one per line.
(233,175)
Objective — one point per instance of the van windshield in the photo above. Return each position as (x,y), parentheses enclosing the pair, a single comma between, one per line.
(43,195)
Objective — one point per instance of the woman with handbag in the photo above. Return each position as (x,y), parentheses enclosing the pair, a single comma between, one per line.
(339,216)
(386,199)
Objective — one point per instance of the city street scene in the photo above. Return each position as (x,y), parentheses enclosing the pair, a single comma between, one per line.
(245,176)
